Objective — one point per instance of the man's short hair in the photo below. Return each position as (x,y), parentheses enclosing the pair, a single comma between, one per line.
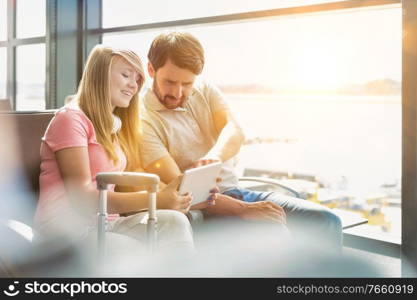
(183,49)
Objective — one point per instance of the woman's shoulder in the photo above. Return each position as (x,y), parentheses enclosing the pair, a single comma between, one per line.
(69,126)
(71,109)
(72,113)
(71,119)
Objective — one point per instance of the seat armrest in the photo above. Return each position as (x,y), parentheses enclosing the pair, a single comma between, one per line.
(23,230)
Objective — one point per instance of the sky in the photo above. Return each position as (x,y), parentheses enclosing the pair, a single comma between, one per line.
(321,51)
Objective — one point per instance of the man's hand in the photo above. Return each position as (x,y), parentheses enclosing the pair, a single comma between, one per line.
(263,211)
(210,201)
(169,198)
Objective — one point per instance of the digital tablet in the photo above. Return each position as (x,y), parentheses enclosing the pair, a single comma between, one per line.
(199,181)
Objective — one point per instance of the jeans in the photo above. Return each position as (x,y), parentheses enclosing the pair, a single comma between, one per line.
(311,222)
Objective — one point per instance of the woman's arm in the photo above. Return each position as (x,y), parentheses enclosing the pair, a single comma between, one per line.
(74,166)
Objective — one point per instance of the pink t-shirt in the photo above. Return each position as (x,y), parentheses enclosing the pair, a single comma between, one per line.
(69,128)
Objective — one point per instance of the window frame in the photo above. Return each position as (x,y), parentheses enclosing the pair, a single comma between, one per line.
(409,140)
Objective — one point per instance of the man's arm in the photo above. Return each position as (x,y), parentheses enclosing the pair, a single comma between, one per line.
(166,168)
(261,210)
(228,143)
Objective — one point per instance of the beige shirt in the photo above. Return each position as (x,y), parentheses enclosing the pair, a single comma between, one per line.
(186,133)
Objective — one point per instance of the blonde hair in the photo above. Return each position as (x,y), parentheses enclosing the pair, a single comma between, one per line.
(94,100)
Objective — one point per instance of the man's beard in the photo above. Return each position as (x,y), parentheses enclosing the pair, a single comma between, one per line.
(168,101)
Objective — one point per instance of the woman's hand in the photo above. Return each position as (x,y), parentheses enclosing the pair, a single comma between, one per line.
(169,198)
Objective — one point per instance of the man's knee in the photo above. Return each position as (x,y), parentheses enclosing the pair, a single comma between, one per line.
(332,219)
(324,217)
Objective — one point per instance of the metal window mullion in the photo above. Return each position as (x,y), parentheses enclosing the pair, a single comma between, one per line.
(11,53)
(67,51)
(11,75)
(81,25)
(28,41)
(50,48)
(409,140)
(92,21)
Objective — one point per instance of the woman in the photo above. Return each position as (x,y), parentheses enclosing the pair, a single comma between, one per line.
(98,131)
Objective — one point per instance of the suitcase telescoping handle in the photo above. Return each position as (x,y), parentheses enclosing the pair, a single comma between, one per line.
(149,182)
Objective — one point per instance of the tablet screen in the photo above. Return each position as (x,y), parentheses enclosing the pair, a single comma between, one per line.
(199,181)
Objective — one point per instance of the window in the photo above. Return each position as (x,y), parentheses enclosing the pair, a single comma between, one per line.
(3,50)
(30,18)
(25,43)
(328,89)
(329,103)
(3,20)
(30,75)
(3,72)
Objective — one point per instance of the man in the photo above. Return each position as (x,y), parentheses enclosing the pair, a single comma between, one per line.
(186,125)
